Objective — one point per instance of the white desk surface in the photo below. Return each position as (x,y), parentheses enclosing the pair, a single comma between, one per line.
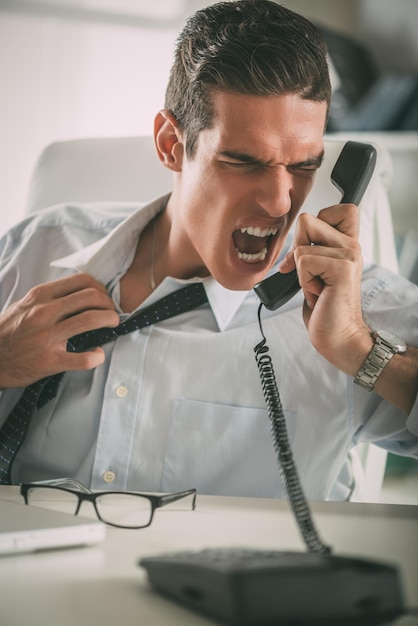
(103,586)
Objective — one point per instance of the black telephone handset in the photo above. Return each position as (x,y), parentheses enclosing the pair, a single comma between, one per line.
(351,175)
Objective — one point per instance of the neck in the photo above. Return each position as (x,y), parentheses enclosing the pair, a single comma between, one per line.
(162,250)
(176,255)
(143,276)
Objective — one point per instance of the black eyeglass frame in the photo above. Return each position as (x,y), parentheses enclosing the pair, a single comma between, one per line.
(156,501)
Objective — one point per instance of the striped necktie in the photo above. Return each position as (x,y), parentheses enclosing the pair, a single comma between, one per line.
(36,395)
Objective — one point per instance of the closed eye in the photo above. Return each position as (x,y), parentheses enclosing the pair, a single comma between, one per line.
(241,164)
(238,159)
(307,172)
(307,166)
(241,161)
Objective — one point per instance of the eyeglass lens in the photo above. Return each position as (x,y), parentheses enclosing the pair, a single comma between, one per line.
(127,510)
(55,499)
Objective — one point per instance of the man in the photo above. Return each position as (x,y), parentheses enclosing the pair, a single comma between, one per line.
(180,404)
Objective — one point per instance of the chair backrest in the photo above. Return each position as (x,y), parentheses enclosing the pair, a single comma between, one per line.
(126,169)
(97,170)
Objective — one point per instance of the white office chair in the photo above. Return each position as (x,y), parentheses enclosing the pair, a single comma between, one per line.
(126,169)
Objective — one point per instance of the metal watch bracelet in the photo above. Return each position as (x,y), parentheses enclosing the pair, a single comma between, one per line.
(386,345)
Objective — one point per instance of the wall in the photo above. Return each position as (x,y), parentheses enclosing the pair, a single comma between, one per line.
(62,79)
(63,76)
(389,29)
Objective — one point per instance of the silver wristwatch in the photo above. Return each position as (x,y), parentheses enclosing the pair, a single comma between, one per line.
(386,345)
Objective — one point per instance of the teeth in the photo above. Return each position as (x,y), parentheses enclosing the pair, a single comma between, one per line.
(252,258)
(256,231)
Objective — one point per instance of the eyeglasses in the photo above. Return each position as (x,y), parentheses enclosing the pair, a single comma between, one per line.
(122,509)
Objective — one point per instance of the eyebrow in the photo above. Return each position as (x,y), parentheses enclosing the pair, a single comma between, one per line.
(248,158)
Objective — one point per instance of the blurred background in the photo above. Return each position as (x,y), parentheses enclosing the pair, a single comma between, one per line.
(98,68)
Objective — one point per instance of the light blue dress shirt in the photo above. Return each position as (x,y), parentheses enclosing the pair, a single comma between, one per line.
(180,404)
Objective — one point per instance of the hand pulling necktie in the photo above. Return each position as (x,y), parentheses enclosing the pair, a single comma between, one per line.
(39,393)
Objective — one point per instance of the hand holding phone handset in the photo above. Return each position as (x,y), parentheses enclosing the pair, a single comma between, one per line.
(351,175)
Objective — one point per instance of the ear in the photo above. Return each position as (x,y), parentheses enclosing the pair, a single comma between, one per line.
(168,140)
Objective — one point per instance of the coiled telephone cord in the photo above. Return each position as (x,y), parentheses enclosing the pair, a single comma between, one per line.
(284,455)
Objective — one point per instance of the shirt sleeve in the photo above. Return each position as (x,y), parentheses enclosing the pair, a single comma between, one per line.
(390,302)
(412,421)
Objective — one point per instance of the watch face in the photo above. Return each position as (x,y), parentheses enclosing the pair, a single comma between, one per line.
(392,340)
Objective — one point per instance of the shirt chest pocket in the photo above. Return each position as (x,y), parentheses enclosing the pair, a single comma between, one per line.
(222,449)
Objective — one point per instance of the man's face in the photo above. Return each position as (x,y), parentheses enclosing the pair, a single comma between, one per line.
(237,198)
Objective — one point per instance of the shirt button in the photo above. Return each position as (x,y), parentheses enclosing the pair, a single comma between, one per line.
(121,391)
(109,476)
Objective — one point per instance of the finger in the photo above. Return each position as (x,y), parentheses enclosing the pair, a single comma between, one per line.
(343,217)
(334,226)
(77,361)
(352,252)
(316,271)
(308,304)
(80,301)
(63,361)
(76,282)
(86,321)
(287,264)
(49,314)
(64,286)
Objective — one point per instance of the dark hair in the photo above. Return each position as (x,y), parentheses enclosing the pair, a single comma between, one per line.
(248,46)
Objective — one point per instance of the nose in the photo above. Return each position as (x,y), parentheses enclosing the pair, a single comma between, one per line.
(276,190)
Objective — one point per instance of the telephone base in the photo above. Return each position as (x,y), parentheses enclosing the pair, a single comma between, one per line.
(244,587)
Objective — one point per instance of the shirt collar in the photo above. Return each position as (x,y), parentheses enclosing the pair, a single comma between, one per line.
(112,255)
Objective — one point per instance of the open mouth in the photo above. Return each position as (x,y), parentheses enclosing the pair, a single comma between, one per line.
(252,243)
